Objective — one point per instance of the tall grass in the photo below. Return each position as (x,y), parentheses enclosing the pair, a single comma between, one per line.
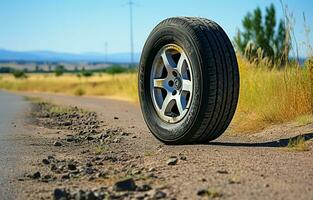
(271,96)
(268,95)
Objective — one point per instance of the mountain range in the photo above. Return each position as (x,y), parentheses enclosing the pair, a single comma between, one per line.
(51,56)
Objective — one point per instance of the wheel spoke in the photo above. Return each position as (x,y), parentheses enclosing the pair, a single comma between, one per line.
(187,85)
(179,104)
(181,63)
(158,83)
(166,102)
(168,61)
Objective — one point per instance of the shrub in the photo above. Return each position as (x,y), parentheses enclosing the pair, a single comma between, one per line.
(115,69)
(59,70)
(87,73)
(19,74)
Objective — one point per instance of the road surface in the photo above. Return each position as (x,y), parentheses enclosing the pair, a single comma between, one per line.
(236,166)
(12,110)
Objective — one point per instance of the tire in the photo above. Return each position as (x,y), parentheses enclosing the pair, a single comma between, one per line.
(188,81)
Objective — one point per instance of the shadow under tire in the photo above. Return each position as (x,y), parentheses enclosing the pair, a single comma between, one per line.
(188,81)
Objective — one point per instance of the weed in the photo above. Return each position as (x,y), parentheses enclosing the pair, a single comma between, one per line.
(298,144)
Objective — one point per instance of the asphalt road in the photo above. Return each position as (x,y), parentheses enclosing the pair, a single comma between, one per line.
(12,108)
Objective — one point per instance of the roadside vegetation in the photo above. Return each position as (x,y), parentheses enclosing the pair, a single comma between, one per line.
(298,144)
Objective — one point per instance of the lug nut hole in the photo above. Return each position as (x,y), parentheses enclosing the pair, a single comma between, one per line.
(171,83)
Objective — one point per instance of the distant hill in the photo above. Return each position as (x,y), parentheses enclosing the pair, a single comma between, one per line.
(50,56)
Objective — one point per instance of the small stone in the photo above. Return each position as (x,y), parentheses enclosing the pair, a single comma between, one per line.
(115,117)
(125,134)
(89,170)
(151,169)
(65,176)
(51,157)
(57,144)
(70,139)
(209,193)
(71,166)
(222,171)
(68,123)
(158,194)
(182,157)
(80,195)
(90,196)
(90,138)
(53,167)
(135,171)
(125,185)
(36,175)
(144,188)
(59,194)
(46,161)
(172,161)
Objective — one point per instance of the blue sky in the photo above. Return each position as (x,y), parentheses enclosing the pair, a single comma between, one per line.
(85,26)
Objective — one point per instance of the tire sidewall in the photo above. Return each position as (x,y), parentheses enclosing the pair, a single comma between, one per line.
(161,36)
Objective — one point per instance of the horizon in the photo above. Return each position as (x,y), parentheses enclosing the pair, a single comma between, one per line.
(78,27)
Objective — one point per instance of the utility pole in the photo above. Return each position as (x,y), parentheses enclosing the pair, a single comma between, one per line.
(106,52)
(131,3)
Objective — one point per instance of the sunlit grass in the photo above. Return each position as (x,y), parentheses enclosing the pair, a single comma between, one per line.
(271,96)
(121,86)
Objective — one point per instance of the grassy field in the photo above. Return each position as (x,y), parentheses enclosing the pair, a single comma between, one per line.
(266,96)
(121,86)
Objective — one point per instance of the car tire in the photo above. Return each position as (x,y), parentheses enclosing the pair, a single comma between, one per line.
(188,81)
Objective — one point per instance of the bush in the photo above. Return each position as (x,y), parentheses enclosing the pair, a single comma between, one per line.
(115,69)
(59,70)
(19,74)
(87,73)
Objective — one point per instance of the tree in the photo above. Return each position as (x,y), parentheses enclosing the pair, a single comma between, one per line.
(59,70)
(265,35)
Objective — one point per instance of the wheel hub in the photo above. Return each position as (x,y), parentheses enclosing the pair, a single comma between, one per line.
(177,83)
(171,83)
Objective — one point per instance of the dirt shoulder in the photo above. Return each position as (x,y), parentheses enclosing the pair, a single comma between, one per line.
(87,152)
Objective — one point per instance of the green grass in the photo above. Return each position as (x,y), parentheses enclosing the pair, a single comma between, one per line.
(298,144)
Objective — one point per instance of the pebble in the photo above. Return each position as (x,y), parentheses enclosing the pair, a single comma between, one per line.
(57,144)
(222,171)
(36,175)
(125,185)
(71,166)
(144,188)
(158,194)
(172,161)
(60,194)
(46,161)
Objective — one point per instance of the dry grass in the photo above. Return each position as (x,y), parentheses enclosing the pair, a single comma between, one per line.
(122,86)
(266,96)
(298,144)
(271,96)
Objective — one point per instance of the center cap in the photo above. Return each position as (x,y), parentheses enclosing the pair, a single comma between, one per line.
(177,83)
